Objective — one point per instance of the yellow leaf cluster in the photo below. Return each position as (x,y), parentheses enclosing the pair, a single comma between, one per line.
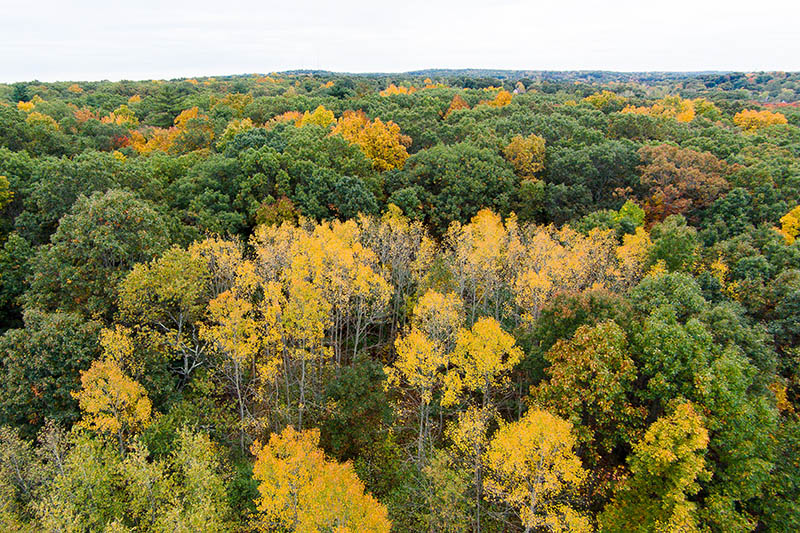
(112,402)
(790,225)
(531,466)
(153,139)
(501,99)
(439,316)
(234,128)
(122,116)
(320,117)
(526,154)
(751,120)
(300,490)
(381,142)
(606,99)
(418,364)
(482,359)
(36,118)
(675,107)
(393,89)
(236,101)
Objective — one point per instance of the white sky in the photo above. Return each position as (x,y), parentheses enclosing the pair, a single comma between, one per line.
(54,40)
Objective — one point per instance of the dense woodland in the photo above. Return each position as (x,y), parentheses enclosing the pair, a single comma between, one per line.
(439,301)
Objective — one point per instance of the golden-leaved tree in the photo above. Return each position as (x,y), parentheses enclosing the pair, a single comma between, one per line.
(111,402)
(166,300)
(526,154)
(300,490)
(790,225)
(531,465)
(233,331)
(751,120)
(380,141)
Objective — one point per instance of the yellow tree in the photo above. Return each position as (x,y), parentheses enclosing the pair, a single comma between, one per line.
(790,225)
(526,154)
(674,107)
(606,101)
(751,120)
(233,332)
(345,272)
(632,258)
(469,438)
(299,490)
(111,402)
(222,258)
(382,143)
(537,277)
(481,362)
(403,248)
(501,99)
(482,257)
(305,319)
(320,117)
(123,116)
(418,366)
(393,89)
(531,465)
(439,316)
(559,261)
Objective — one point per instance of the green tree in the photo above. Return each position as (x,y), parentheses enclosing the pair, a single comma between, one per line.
(94,247)
(665,468)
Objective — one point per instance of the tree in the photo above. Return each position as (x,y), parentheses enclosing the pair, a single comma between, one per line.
(531,465)
(665,467)
(448,182)
(790,225)
(482,359)
(168,297)
(469,436)
(672,355)
(679,180)
(300,490)
(675,244)
(21,475)
(456,103)
(95,245)
(751,120)
(199,501)
(591,382)
(381,142)
(41,368)
(419,366)
(320,117)
(526,154)
(93,488)
(606,101)
(112,402)
(233,331)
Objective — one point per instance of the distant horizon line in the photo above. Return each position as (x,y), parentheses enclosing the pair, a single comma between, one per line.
(423,72)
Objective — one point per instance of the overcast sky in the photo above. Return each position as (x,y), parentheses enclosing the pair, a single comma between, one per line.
(54,40)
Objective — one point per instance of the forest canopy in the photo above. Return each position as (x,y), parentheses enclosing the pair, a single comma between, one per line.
(436,301)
